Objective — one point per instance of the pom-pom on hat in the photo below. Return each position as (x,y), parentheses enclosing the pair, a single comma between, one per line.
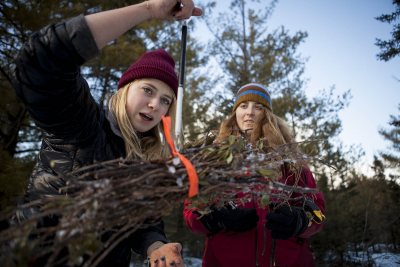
(157,64)
(253,92)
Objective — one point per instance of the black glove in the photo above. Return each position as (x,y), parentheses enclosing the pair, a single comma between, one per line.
(285,222)
(230,219)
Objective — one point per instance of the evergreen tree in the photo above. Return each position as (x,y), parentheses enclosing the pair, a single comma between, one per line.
(391,158)
(378,168)
(390,48)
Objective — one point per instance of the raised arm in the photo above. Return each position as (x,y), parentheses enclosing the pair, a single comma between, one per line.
(109,25)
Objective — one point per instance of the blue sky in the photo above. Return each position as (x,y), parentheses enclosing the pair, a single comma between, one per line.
(341,52)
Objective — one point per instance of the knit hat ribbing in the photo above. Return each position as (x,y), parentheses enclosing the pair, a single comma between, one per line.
(157,64)
(253,92)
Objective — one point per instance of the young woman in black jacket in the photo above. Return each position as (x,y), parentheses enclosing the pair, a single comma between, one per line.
(77,131)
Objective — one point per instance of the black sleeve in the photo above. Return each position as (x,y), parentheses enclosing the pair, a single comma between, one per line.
(47,78)
(143,238)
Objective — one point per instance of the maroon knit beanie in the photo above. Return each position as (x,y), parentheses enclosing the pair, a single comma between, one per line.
(157,64)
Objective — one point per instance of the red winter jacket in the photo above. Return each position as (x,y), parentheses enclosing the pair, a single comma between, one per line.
(253,248)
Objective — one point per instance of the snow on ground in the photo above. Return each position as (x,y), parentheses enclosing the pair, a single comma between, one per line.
(384,259)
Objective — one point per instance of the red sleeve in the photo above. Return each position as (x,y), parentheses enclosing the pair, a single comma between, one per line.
(192,219)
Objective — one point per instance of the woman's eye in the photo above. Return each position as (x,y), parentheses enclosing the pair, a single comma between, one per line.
(259,107)
(243,106)
(165,101)
(148,90)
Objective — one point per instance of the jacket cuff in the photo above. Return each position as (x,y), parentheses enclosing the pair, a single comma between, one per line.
(82,38)
(154,246)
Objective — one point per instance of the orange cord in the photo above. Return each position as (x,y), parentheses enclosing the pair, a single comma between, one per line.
(191,171)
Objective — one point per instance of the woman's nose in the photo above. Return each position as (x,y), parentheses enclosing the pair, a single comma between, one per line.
(154,104)
(250,110)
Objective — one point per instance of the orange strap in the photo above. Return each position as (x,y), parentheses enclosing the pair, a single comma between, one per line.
(191,171)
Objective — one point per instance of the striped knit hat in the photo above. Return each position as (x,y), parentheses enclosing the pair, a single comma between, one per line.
(253,92)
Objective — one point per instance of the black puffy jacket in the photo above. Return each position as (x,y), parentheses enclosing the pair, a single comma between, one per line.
(77,131)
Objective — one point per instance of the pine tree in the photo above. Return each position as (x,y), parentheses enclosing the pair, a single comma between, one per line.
(391,158)
(390,48)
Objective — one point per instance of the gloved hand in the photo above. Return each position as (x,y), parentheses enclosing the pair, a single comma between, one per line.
(230,219)
(285,222)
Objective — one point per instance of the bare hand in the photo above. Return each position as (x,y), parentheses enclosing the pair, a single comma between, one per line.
(167,9)
(167,255)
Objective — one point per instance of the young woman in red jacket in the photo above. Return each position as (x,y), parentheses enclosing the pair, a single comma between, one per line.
(247,234)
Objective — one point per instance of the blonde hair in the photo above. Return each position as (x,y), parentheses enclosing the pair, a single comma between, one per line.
(272,129)
(150,147)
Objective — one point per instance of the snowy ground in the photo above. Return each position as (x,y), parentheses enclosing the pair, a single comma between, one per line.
(384,259)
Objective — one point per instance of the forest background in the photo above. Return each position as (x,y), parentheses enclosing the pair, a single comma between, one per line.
(363,208)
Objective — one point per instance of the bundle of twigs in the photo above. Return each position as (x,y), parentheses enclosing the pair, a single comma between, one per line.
(121,196)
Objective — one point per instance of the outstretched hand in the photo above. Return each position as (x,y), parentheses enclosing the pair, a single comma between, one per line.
(167,255)
(165,9)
